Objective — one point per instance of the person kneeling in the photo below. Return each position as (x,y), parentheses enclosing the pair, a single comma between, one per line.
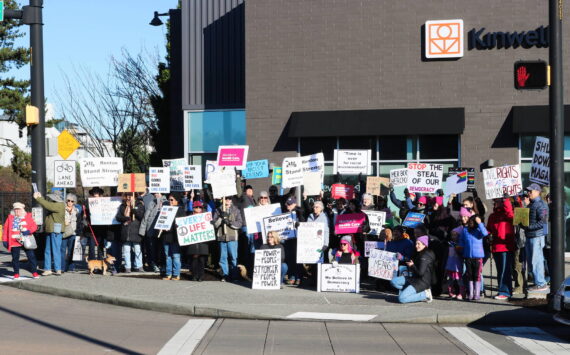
(416,288)
(274,242)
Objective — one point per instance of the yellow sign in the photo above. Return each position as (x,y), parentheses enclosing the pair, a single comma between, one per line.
(521,216)
(66,144)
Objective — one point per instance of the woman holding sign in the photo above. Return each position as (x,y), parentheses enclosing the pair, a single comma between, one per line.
(130,214)
(198,252)
(170,241)
(274,242)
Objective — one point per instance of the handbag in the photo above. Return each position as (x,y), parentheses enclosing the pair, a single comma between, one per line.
(29,242)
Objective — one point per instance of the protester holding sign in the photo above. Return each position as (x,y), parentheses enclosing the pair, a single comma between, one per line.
(53,225)
(290,245)
(228,222)
(151,245)
(471,244)
(95,234)
(170,241)
(274,242)
(19,224)
(71,231)
(198,252)
(130,215)
(346,253)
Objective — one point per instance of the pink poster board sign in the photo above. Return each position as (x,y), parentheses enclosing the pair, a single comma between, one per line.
(233,155)
(349,223)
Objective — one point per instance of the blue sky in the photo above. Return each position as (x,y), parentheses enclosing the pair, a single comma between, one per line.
(86,33)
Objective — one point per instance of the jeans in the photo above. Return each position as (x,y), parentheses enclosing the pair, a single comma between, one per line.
(95,251)
(136,248)
(250,240)
(408,293)
(228,249)
(67,245)
(503,260)
(172,252)
(283,272)
(16,259)
(535,259)
(53,246)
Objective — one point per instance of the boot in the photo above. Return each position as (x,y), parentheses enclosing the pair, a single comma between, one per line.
(477,292)
(461,294)
(451,290)
(471,289)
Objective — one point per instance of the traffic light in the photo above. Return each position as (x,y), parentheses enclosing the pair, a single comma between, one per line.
(531,75)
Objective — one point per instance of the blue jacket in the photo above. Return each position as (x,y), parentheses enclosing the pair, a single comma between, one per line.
(472,241)
(538,218)
(403,246)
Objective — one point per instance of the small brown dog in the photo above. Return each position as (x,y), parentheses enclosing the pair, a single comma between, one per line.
(93,265)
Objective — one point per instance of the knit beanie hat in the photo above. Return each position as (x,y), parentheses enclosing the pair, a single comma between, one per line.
(464,212)
(439,200)
(422,199)
(424,239)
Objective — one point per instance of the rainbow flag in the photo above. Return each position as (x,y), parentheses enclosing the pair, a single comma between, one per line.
(462,176)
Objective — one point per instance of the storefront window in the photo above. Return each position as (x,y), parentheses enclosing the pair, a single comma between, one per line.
(326,145)
(210,129)
(438,147)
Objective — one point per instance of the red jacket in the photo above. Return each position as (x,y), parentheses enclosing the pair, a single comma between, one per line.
(8,235)
(500,225)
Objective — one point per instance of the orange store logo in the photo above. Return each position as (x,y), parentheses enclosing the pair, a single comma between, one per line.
(444,39)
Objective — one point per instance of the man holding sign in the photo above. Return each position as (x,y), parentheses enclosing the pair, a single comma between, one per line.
(228,221)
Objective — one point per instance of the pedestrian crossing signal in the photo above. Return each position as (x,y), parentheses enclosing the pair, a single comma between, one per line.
(531,75)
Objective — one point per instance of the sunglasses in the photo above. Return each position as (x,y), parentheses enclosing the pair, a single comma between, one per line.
(171,199)
(264,198)
(200,207)
(420,204)
(70,201)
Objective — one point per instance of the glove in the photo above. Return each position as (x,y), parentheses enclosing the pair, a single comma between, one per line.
(26,232)
(297,224)
(399,256)
(5,244)
(335,263)
(225,214)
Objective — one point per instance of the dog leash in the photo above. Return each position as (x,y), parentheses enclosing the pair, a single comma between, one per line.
(89,224)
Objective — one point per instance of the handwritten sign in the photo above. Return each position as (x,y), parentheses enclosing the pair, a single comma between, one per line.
(64,173)
(282,224)
(413,219)
(399,177)
(233,155)
(166,217)
(502,180)
(223,184)
(340,278)
(352,161)
(158,180)
(382,264)
(103,210)
(277,175)
(176,173)
(38,215)
(256,169)
(377,220)
(342,191)
(292,172)
(100,171)
(313,163)
(131,183)
(374,184)
(470,176)
(522,216)
(194,229)
(425,178)
(540,168)
(370,245)
(254,216)
(267,270)
(192,177)
(349,223)
(310,241)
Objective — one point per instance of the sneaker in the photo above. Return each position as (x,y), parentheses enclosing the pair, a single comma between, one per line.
(155,268)
(223,279)
(175,278)
(47,273)
(297,282)
(16,276)
(58,273)
(138,270)
(35,275)
(429,297)
(127,271)
(460,297)
(538,288)
(167,277)
(501,297)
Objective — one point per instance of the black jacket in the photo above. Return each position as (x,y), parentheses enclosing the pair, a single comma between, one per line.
(129,225)
(171,236)
(422,270)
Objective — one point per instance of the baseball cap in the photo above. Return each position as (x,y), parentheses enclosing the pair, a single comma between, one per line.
(263,194)
(197,204)
(533,187)
(291,201)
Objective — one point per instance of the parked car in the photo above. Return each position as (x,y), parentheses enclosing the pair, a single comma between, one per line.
(562,303)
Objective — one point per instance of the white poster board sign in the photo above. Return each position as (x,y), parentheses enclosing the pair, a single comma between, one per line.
(192,177)
(424,177)
(377,220)
(100,171)
(399,177)
(103,210)
(292,172)
(310,241)
(369,245)
(166,217)
(502,180)
(382,264)
(38,215)
(455,184)
(194,229)
(64,173)
(540,168)
(254,216)
(158,180)
(77,250)
(313,163)
(223,183)
(282,224)
(339,278)
(176,173)
(352,161)
(312,183)
(267,269)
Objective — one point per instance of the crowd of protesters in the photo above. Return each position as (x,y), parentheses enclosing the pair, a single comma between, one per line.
(445,254)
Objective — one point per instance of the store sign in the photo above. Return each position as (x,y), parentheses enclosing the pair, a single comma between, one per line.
(444,39)
(526,39)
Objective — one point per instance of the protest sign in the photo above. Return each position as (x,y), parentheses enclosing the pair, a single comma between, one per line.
(292,172)
(267,270)
(310,241)
(194,229)
(522,216)
(540,168)
(131,183)
(339,278)
(104,209)
(413,219)
(502,180)
(470,176)
(192,177)
(312,183)
(158,180)
(352,161)
(282,224)
(377,220)
(313,163)
(382,264)
(233,155)
(256,169)
(369,245)
(342,191)
(254,216)
(455,184)
(349,223)
(374,184)
(277,175)
(176,173)
(165,217)
(399,177)
(38,215)
(100,171)
(77,250)
(223,183)
(424,177)
(64,173)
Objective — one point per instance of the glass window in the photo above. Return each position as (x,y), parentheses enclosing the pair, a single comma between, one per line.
(210,129)
(397,148)
(438,147)
(527,146)
(326,145)
(358,143)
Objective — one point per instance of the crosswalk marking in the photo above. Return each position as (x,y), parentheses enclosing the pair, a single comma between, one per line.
(332,316)
(535,340)
(188,337)
(10,278)
(473,341)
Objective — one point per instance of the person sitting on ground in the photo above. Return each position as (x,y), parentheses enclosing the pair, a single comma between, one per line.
(19,224)
(346,253)
(274,242)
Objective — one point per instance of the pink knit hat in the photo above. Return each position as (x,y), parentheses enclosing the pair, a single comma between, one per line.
(424,239)
(464,212)
(422,199)
(439,200)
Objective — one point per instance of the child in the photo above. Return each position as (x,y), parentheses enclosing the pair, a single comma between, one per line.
(454,267)
(471,245)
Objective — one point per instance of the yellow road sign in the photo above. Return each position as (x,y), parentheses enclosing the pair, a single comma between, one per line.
(66,144)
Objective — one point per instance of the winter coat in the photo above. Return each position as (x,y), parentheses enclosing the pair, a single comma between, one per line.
(71,218)
(538,218)
(10,232)
(150,215)
(129,225)
(56,214)
(454,260)
(171,236)
(198,248)
(500,225)
(322,218)
(422,270)
(402,246)
(471,240)
(232,221)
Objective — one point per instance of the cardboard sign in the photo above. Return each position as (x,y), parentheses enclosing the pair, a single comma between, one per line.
(100,171)
(192,177)
(424,178)
(64,173)
(349,223)
(131,183)
(413,219)
(176,173)
(195,229)
(382,264)
(233,155)
(540,168)
(312,183)
(277,175)
(310,242)
(374,184)
(370,245)
(267,270)
(254,216)
(38,215)
(103,210)
(456,184)
(502,180)
(470,176)
(166,217)
(352,162)
(223,183)
(282,224)
(342,191)
(292,172)
(340,278)
(256,169)
(377,220)
(522,216)
(159,180)
(399,177)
